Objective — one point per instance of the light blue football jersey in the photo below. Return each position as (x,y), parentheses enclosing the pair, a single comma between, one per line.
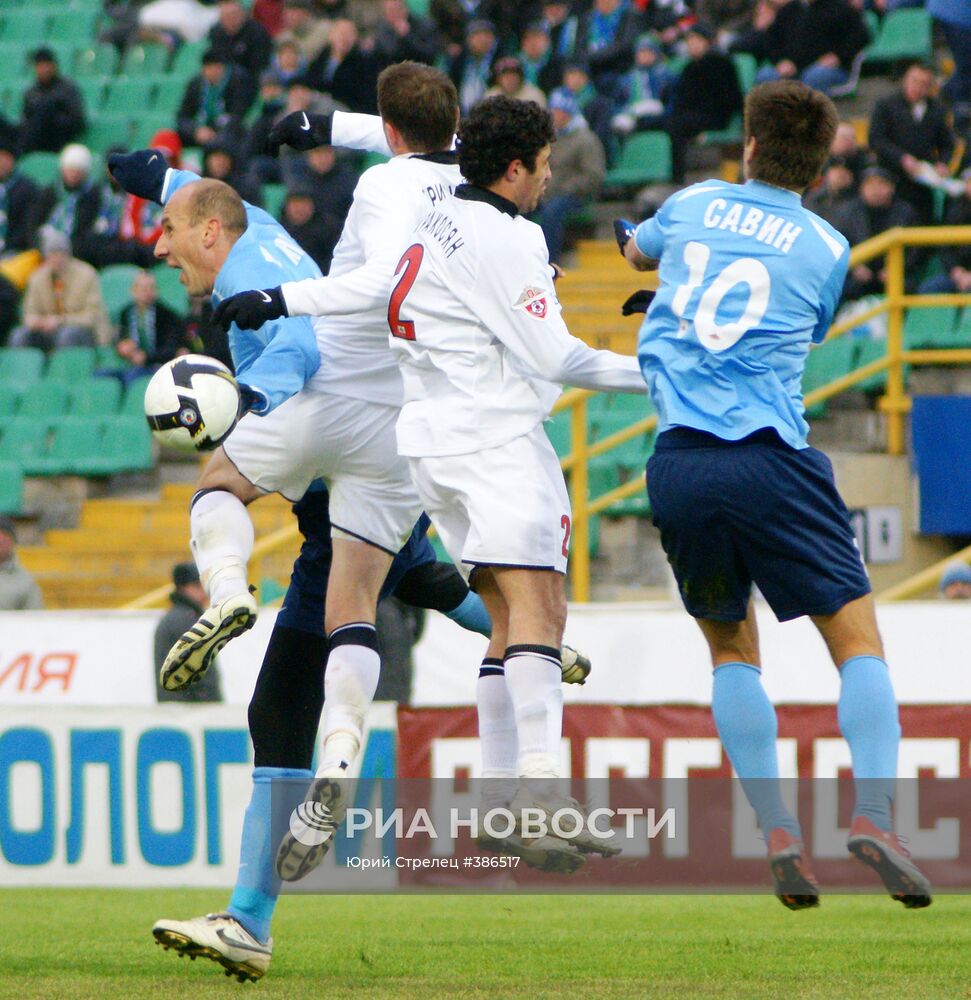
(279,358)
(748,278)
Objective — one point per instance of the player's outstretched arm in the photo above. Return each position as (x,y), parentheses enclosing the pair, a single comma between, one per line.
(141,173)
(250,310)
(304,131)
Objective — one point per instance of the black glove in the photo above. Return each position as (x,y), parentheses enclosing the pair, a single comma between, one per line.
(639,302)
(299,131)
(250,310)
(141,174)
(623,231)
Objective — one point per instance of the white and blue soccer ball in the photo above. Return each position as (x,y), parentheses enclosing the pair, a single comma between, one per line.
(192,403)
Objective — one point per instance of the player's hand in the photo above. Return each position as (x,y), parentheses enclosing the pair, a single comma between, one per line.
(639,302)
(250,310)
(623,231)
(141,173)
(300,131)
(575,666)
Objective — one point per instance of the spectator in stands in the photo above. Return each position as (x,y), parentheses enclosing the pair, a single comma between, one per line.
(645,88)
(955,582)
(18,194)
(18,589)
(189,600)
(956,259)
(578,165)
(815,41)
(221,161)
(541,66)
(53,109)
(562,25)
(705,97)
(846,146)
(240,40)
(288,63)
(215,101)
(326,172)
(911,136)
(837,188)
(402,34)
(149,333)
(187,20)
(471,69)
(509,82)
(597,109)
(72,203)
(63,306)
(271,14)
(876,209)
(345,71)
(954,18)
(314,229)
(605,40)
(301,25)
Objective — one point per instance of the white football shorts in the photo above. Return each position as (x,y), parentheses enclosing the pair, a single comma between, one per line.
(505,506)
(350,444)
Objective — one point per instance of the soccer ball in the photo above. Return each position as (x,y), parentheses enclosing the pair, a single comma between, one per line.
(192,403)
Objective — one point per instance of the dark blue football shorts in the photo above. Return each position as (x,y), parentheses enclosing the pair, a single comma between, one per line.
(303,605)
(734,513)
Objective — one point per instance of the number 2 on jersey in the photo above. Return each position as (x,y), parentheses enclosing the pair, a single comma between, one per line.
(408,269)
(717,336)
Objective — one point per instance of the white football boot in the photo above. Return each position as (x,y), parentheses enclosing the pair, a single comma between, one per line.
(586,839)
(313,825)
(575,667)
(219,937)
(190,657)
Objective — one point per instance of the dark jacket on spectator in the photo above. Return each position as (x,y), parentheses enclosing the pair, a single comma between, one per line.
(803,32)
(353,81)
(18,195)
(615,57)
(250,48)
(421,44)
(169,330)
(81,204)
(237,96)
(53,115)
(708,87)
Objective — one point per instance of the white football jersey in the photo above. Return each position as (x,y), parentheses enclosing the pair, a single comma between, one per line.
(350,304)
(476,325)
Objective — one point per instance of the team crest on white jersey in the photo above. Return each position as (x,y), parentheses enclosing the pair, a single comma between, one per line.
(533,301)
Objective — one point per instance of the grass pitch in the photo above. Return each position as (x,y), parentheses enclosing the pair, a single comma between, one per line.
(96,944)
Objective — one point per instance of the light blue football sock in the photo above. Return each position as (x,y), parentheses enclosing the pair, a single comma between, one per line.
(869,722)
(747,724)
(275,789)
(471,614)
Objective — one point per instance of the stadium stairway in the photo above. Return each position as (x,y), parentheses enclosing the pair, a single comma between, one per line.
(123,548)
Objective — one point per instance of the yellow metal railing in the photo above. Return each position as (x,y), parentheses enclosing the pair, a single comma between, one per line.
(895,403)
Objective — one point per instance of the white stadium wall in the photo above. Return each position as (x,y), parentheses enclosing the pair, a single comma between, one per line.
(101,786)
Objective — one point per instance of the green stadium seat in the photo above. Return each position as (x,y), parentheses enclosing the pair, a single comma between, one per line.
(171,291)
(25,26)
(133,405)
(21,366)
(645,158)
(41,168)
(116,280)
(22,439)
(746,67)
(125,93)
(148,125)
(73,442)
(105,356)
(11,488)
(140,60)
(93,91)
(868,351)
(96,61)
(962,329)
(73,25)
(274,195)
(168,94)
(904,34)
(71,365)
(96,397)
(13,67)
(126,446)
(558,431)
(930,327)
(9,399)
(105,131)
(45,401)
(731,134)
(10,99)
(188,60)
(826,362)
(631,455)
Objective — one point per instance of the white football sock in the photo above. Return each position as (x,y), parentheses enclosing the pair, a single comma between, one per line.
(534,680)
(222,542)
(498,736)
(350,681)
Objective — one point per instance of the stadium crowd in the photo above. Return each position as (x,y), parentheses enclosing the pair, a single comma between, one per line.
(607,69)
